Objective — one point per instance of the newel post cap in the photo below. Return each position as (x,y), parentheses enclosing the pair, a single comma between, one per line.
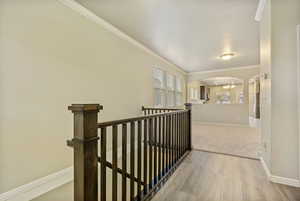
(85,107)
(188,105)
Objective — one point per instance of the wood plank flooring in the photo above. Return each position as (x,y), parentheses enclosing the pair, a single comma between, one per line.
(210,177)
(215,177)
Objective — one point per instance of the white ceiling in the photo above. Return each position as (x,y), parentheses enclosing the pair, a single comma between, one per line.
(191,33)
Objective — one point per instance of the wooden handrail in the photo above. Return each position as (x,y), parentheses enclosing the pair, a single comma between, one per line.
(155,108)
(139,118)
(164,138)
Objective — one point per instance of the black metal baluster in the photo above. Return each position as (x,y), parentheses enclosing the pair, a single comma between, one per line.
(103,165)
(124,162)
(139,166)
(176,158)
(132,154)
(159,148)
(183,125)
(170,145)
(155,150)
(181,134)
(186,131)
(115,163)
(167,142)
(163,144)
(178,131)
(182,120)
(145,157)
(173,140)
(178,137)
(150,153)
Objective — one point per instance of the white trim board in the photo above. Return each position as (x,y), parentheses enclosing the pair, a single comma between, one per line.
(277,179)
(98,20)
(38,187)
(43,185)
(224,70)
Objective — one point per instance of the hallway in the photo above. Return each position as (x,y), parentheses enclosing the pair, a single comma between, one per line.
(210,177)
(215,177)
(229,139)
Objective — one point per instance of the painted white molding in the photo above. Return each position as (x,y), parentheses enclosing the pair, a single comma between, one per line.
(260,10)
(285,181)
(224,70)
(277,179)
(43,185)
(38,187)
(265,167)
(75,6)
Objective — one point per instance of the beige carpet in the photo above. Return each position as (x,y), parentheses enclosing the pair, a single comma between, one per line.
(235,140)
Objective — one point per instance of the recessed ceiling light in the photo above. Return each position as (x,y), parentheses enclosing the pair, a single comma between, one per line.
(227,56)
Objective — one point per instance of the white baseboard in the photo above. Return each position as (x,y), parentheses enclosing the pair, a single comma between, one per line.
(285,181)
(277,179)
(38,187)
(43,185)
(265,167)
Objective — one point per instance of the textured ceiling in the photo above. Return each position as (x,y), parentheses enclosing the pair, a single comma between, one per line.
(192,33)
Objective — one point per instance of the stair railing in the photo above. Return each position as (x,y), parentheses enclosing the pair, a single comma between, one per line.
(157,145)
(153,110)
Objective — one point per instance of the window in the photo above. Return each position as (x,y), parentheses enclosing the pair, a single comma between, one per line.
(167,89)
(170,90)
(179,93)
(159,87)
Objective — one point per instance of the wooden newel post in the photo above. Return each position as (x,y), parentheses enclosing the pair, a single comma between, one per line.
(85,144)
(188,106)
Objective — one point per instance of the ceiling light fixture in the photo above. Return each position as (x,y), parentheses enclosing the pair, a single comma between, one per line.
(229,86)
(227,56)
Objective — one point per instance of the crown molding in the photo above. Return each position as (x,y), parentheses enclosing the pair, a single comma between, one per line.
(75,6)
(224,70)
(260,10)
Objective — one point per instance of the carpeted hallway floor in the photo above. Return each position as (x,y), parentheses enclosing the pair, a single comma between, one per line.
(236,140)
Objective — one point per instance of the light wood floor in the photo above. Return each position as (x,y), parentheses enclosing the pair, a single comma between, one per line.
(214,177)
(210,177)
(236,140)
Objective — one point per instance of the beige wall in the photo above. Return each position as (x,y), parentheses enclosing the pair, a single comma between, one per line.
(224,113)
(279,60)
(51,57)
(285,152)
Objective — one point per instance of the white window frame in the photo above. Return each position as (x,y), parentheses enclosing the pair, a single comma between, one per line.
(171,91)
(178,92)
(171,85)
(159,89)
